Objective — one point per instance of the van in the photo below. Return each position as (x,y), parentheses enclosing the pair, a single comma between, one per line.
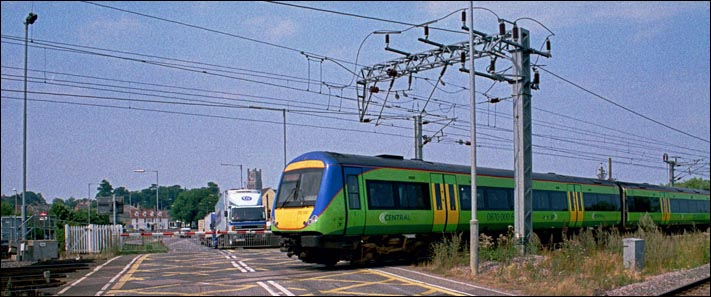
(184,232)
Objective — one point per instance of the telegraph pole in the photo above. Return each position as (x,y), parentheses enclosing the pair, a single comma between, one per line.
(671,164)
(418,137)
(523,194)
(511,45)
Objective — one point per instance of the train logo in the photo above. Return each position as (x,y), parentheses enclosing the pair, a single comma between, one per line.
(246,198)
(385,217)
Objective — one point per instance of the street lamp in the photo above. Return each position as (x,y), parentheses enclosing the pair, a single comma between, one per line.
(14,206)
(31,18)
(156,171)
(14,219)
(88,196)
(240,172)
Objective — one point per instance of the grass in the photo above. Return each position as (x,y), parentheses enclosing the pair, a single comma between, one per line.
(588,263)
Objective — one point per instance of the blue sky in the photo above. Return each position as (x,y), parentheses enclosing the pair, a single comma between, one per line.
(121,86)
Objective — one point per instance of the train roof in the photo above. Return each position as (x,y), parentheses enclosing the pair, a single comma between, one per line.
(663,188)
(393,161)
(400,162)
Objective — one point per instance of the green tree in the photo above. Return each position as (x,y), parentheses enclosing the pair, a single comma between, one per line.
(71,202)
(194,204)
(695,183)
(6,209)
(122,191)
(105,189)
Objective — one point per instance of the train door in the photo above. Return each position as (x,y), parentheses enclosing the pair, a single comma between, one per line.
(444,202)
(665,207)
(352,189)
(452,199)
(575,205)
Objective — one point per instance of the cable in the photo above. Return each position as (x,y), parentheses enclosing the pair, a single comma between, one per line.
(620,106)
(208,29)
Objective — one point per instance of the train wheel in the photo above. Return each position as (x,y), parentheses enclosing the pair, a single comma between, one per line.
(330,263)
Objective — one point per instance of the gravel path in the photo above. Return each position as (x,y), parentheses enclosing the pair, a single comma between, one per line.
(659,284)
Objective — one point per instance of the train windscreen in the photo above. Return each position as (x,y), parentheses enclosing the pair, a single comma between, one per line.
(299,187)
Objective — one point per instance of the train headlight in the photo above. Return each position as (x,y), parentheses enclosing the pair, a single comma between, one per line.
(312,219)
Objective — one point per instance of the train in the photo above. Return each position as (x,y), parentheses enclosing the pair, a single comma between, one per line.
(331,206)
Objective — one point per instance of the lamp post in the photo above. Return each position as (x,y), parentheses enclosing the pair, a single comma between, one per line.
(31,18)
(156,171)
(88,196)
(14,218)
(14,206)
(240,172)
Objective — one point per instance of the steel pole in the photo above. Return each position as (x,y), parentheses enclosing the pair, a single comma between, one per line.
(473,224)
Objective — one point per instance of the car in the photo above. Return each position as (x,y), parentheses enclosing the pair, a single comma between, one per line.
(184,232)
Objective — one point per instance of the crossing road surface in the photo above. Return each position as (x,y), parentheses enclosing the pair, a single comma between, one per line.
(191,269)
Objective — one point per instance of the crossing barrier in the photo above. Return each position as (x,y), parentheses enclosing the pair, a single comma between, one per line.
(223,239)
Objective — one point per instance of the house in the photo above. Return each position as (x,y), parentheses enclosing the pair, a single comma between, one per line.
(268,196)
(142,219)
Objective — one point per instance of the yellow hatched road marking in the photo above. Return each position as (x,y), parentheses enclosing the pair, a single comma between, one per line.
(129,274)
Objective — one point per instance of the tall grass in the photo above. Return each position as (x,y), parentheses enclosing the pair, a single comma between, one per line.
(587,263)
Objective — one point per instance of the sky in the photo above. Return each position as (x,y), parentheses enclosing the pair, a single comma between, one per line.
(183,87)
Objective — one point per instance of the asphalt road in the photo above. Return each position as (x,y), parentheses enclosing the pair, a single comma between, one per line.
(191,269)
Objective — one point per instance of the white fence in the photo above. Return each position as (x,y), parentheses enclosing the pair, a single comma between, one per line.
(91,239)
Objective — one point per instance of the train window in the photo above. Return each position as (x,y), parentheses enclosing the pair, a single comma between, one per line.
(397,195)
(654,205)
(452,198)
(601,202)
(438,196)
(413,196)
(353,192)
(310,183)
(465,197)
(643,204)
(465,200)
(380,195)
(299,187)
(558,201)
(590,201)
(610,202)
(498,199)
(541,201)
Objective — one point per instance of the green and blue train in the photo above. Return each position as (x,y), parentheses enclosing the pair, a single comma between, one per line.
(332,207)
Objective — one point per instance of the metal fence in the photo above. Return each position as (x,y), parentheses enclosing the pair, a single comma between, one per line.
(227,240)
(142,244)
(92,239)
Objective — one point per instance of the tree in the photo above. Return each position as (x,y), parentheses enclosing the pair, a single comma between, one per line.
(695,183)
(122,191)
(105,189)
(6,209)
(194,204)
(71,202)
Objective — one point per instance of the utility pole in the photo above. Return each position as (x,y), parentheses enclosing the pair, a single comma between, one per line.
(523,194)
(609,169)
(671,164)
(511,45)
(31,18)
(418,137)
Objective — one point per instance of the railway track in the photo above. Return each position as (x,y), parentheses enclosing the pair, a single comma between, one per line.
(697,288)
(27,280)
